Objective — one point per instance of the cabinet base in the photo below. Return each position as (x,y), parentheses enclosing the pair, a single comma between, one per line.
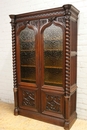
(53,120)
(68,124)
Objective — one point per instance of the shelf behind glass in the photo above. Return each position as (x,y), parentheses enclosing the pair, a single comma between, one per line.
(53,67)
(28,66)
(28,50)
(28,80)
(53,83)
(27,58)
(28,74)
(53,76)
(53,58)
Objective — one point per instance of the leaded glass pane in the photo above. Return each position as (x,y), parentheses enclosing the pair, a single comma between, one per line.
(53,56)
(27,55)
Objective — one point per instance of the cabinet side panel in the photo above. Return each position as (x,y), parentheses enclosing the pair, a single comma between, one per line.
(73,38)
(73,103)
(73,69)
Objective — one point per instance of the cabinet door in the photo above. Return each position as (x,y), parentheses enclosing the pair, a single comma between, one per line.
(27,67)
(52,83)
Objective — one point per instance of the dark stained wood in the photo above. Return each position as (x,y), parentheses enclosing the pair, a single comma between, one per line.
(52,102)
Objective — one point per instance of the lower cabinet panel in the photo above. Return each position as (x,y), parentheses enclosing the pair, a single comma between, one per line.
(53,103)
(28,99)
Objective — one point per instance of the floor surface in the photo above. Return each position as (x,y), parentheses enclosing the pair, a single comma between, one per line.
(10,122)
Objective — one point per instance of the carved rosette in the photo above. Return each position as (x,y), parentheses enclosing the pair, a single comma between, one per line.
(67,52)
(14,65)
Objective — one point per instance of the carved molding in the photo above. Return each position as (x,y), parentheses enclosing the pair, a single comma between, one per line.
(40,16)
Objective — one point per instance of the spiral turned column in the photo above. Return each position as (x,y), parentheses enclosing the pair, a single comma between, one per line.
(67,55)
(15,89)
(67,66)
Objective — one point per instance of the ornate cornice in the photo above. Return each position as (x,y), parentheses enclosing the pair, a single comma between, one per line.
(40,16)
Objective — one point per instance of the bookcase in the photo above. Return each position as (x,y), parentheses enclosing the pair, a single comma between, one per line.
(44,50)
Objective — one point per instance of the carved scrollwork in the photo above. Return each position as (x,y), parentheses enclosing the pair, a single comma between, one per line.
(26,23)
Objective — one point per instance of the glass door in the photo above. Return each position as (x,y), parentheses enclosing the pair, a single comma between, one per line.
(52,91)
(27,56)
(53,56)
(27,68)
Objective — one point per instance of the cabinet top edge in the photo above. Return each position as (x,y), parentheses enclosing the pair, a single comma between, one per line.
(63,8)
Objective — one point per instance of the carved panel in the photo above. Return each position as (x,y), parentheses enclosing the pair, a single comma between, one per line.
(53,103)
(28,98)
(26,23)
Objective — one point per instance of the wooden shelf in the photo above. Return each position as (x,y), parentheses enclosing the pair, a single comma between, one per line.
(44,50)
(53,49)
(53,39)
(53,67)
(28,41)
(27,79)
(28,66)
(50,82)
(27,50)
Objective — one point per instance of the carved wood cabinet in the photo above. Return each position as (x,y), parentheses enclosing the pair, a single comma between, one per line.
(44,45)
